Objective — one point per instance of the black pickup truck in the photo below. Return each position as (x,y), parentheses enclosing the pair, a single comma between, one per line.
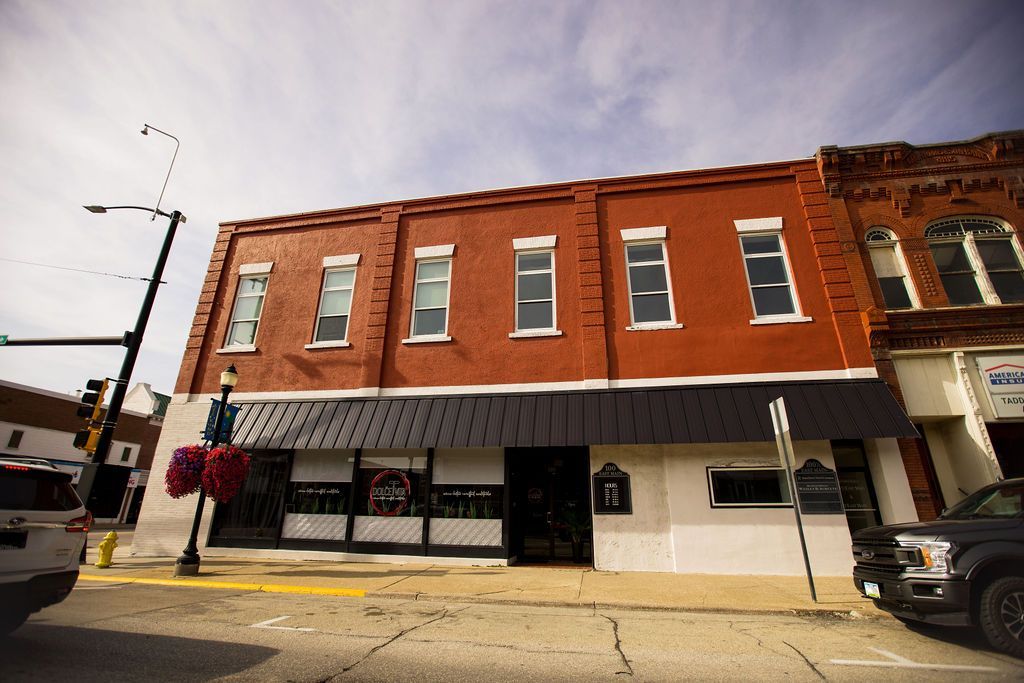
(965,568)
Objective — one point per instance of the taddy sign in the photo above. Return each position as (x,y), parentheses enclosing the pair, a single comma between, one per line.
(389,493)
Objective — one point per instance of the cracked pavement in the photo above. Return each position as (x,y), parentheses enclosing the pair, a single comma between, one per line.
(144,632)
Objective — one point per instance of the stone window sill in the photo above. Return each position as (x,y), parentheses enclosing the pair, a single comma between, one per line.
(238,348)
(328,345)
(654,326)
(427,339)
(782,319)
(526,334)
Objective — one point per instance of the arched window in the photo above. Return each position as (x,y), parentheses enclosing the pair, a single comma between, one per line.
(978,259)
(890,268)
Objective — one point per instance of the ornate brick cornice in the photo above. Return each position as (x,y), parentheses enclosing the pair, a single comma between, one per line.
(947,328)
(953,167)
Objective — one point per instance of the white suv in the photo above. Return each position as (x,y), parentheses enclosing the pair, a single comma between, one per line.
(43,528)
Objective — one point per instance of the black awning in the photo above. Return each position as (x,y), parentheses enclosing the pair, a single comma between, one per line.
(721,413)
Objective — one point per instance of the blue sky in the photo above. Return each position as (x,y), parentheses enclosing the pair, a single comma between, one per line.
(296,106)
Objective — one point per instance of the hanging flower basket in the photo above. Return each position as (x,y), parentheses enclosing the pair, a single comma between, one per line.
(225,472)
(185,471)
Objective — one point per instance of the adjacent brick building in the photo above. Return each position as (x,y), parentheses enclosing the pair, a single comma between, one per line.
(932,236)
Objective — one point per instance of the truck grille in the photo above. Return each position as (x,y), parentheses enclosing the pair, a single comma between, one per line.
(883,556)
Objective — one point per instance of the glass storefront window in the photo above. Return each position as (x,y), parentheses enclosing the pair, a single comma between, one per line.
(388,503)
(467,497)
(316,504)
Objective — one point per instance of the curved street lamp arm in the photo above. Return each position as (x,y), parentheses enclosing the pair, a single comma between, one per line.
(177,143)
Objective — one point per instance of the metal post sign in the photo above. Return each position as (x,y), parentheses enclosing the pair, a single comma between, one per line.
(225,429)
(780,422)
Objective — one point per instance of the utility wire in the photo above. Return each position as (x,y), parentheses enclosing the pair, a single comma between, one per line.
(77,270)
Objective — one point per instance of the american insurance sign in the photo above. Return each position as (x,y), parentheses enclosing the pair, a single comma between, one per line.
(1004,379)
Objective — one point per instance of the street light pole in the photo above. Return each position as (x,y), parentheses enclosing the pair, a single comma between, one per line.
(188,563)
(135,343)
(133,339)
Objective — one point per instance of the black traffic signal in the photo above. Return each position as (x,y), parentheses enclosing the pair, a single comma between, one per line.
(92,402)
(87,439)
(92,399)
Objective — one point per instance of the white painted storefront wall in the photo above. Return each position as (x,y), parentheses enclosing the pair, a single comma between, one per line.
(673,527)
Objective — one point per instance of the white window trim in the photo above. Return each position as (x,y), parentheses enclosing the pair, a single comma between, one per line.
(534,243)
(671,323)
(711,489)
(337,344)
(341,260)
(915,301)
(348,314)
(797,316)
(255,268)
(436,252)
(651,234)
(752,225)
(536,331)
(414,338)
(526,334)
(427,339)
(243,348)
(238,348)
(969,240)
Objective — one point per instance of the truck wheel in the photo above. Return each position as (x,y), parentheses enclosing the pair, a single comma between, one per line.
(12,619)
(1001,614)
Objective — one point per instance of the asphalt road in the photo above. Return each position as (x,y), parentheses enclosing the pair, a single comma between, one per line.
(133,632)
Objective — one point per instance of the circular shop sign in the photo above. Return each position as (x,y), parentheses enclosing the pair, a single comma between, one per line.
(389,493)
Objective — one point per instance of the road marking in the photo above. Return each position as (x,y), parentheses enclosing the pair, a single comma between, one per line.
(268,622)
(227,585)
(904,663)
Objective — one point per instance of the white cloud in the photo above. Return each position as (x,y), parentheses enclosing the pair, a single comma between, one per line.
(303,106)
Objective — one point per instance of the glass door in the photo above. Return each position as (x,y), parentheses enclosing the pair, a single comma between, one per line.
(856,486)
(551,519)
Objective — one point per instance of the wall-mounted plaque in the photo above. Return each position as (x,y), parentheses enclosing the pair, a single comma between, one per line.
(817,489)
(611,491)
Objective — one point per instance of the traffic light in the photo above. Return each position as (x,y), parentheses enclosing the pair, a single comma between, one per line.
(92,399)
(87,439)
(92,403)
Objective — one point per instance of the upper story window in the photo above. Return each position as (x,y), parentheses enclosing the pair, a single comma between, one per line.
(245,317)
(650,291)
(535,291)
(769,276)
(978,259)
(431,294)
(890,269)
(335,305)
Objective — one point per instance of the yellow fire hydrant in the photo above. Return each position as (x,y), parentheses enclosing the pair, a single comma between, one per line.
(106,548)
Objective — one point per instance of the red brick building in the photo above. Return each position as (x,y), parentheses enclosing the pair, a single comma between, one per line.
(571,372)
(938,273)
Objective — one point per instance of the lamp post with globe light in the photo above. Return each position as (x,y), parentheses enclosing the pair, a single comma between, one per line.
(188,563)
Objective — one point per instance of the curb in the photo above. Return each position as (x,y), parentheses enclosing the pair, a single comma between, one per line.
(227,585)
(482,600)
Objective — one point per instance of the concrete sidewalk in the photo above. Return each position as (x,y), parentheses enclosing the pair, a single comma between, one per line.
(555,586)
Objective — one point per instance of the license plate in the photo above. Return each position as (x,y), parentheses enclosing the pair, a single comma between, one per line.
(871,590)
(12,540)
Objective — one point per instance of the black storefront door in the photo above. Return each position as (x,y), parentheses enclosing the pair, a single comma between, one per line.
(550,516)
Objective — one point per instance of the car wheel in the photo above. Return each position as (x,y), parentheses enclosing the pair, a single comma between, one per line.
(1001,613)
(11,619)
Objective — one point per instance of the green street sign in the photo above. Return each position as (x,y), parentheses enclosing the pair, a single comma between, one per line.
(3,339)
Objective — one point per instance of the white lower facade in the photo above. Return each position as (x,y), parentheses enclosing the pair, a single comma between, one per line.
(674,526)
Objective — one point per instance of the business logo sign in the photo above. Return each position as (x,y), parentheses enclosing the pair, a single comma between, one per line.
(1004,381)
(390,493)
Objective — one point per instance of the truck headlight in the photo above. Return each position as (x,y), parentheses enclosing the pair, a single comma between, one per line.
(936,556)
